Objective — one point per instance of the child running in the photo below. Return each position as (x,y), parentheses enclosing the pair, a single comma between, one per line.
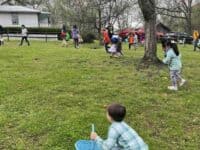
(75,36)
(120,135)
(116,48)
(106,39)
(130,40)
(195,37)
(173,59)
(24,36)
(63,35)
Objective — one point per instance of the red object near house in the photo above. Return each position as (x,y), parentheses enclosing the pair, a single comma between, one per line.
(140,31)
(124,33)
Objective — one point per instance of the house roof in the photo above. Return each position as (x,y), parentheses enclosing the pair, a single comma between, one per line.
(197,5)
(18,9)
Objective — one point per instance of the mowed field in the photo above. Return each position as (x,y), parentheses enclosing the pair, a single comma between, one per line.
(50,96)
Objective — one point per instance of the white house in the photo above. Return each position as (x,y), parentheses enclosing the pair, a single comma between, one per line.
(14,16)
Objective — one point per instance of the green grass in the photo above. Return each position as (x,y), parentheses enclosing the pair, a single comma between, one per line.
(49,96)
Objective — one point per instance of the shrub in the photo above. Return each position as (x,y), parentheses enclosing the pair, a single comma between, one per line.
(88,38)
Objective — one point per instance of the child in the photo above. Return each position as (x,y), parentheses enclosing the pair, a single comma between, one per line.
(115,48)
(173,59)
(120,135)
(75,36)
(106,39)
(195,38)
(63,35)
(119,46)
(135,41)
(130,40)
(24,36)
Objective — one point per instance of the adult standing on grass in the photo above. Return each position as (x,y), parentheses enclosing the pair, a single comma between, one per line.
(195,39)
(24,36)
(63,35)
(75,36)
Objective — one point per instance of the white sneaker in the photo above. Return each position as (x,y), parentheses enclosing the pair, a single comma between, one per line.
(182,82)
(173,88)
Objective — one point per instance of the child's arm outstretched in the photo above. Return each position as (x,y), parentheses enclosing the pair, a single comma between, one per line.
(109,143)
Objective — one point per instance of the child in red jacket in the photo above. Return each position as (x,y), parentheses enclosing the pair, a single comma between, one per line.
(106,39)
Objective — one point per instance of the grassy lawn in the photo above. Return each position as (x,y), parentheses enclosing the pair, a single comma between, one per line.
(50,95)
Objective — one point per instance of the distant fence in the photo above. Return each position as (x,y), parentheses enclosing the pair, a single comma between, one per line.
(35,33)
(44,37)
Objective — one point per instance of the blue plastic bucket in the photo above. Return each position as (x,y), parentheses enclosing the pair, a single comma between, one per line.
(86,145)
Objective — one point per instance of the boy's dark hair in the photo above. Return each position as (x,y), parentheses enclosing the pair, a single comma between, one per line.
(117,112)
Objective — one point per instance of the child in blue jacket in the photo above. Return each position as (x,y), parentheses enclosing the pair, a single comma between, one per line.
(173,59)
(120,135)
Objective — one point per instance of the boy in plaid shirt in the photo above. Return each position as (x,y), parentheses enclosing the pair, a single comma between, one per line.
(120,135)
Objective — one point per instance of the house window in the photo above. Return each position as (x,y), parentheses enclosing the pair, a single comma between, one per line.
(15,19)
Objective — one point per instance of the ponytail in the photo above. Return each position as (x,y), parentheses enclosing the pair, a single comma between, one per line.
(173,46)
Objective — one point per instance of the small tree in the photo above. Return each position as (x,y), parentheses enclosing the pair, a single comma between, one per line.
(179,9)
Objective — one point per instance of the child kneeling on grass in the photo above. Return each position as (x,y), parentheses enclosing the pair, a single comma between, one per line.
(120,135)
(173,59)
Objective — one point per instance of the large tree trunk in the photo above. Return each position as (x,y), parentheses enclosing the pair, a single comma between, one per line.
(189,26)
(150,41)
(189,16)
(149,13)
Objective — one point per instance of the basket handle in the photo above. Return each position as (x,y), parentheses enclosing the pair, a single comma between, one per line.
(93,128)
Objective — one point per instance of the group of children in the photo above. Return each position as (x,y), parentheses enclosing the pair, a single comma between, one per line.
(120,135)
(116,42)
(65,36)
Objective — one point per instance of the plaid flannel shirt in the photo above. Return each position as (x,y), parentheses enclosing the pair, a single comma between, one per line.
(121,137)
